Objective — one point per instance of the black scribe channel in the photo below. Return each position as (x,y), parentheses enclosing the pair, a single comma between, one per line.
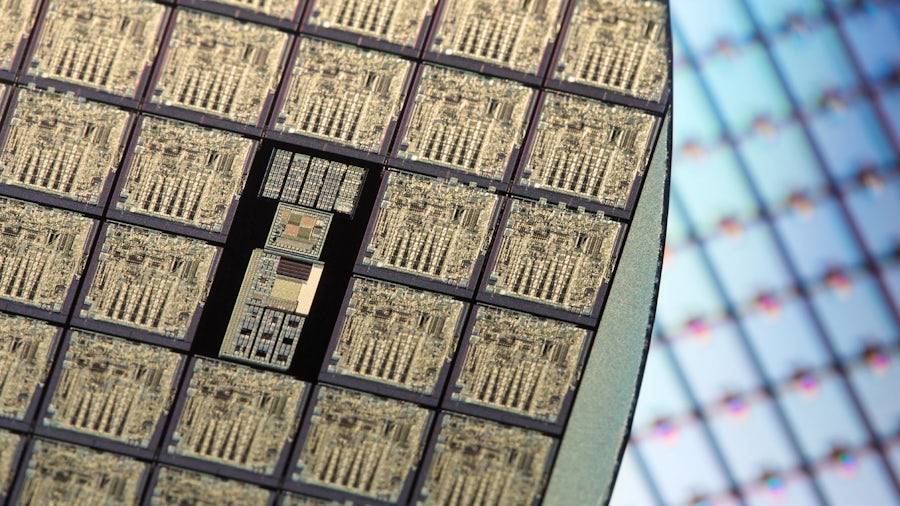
(249,229)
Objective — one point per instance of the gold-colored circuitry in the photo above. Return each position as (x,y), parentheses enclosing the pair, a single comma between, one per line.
(554,256)
(180,486)
(298,231)
(185,173)
(102,44)
(588,149)
(396,21)
(296,178)
(343,94)
(42,253)
(520,363)
(397,335)
(617,44)
(431,228)
(238,416)
(512,35)
(61,473)
(362,444)
(25,360)
(114,388)
(9,446)
(466,121)
(150,280)
(62,145)
(220,66)
(482,462)
(16,20)
(284,9)
(270,310)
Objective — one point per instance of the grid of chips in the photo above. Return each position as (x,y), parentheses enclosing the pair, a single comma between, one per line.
(167,164)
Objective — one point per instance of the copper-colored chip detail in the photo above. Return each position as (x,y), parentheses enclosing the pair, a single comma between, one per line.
(186,174)
(284,9)
(62,473)
(554,256)
(588,149)
(480,462)
(219,66)
(398,21)
(101,44)
(343,94)
(238,416)
(466,121)
(180,486)
(431,228)
(42,253)
(9,447)
(150,280)
(26,348)
(63,146)
(620,45)
(397,335)
(514,35)
(520,363)
(114,388)
(16,19)
(362,444)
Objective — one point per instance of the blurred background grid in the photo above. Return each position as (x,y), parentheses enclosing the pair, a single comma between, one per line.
(774,370)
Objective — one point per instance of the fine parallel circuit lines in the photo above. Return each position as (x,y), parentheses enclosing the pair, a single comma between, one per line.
(396,21)
(413,206)
(104,45)
(63,146)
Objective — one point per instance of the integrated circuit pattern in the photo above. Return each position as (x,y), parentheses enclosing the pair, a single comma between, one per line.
(284,9)
(431,228)
(511,35)
(113,388)
(16,19)
(588,149)
(480,462)
(238,416)
(62,145)
(42,253)
(183,487)
(313,182)
(343,94)
(186,174)
(268,316)
(9,448)
(396,335)
(466,121)
(150,280)
(101,44)
(175,176)
(395,21)
(617,44)
(362,444)
(554,256)
(61,473)
(520,363)
(26,354)
(298,232)
(216,65)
